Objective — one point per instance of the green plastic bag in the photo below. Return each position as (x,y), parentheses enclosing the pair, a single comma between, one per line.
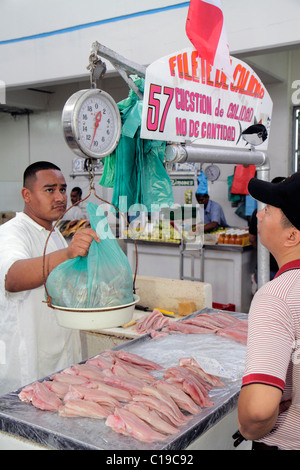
(108,175)
(101,279)
(139,173)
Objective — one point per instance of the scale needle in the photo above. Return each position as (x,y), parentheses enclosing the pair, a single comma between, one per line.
(97,121)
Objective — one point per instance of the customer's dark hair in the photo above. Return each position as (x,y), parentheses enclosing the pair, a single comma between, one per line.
(32,169)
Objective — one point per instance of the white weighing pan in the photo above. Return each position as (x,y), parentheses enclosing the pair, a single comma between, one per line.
(95,319)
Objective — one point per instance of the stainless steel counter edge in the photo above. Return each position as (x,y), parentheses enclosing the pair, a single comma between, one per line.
(221,247)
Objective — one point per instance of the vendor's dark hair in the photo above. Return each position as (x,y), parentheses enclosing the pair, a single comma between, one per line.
(32,169)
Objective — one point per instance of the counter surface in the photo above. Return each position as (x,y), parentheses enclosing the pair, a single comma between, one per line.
(52,431)
(207,246)
(227,268)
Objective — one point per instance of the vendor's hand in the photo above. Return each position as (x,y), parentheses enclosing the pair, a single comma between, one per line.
(81,241)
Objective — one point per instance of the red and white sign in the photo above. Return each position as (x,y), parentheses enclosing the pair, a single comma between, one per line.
(188,100)
(206,30)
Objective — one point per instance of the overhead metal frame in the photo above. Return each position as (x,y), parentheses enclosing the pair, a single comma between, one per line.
(180,153)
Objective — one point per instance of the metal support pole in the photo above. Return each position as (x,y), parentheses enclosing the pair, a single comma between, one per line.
(263,255)
(178,153)
(123,66)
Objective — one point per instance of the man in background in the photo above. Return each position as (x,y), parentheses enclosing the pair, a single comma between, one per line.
(213,213)
(77,212)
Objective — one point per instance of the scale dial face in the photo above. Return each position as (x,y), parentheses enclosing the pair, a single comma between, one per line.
(91,123)
(212,172)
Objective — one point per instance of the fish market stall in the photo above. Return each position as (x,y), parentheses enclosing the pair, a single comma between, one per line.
(210,426)
(228,268)
(172,296)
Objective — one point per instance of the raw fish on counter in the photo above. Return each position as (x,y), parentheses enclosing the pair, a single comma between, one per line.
(221,324)
(77,408)
(193,366)
(182,399)
(118,386)
(151,417)
(150,322)
(41,397)
(92,394)
(187,328)
(135,359)
(125,422)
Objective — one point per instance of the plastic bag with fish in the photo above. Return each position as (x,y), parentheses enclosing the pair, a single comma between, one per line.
(101,279)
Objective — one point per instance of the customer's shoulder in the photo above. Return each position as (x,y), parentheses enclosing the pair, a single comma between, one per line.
(284,284)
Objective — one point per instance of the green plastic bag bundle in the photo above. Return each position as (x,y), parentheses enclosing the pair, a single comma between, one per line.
(108,174)
(155,185)
(136,168)
(101,279)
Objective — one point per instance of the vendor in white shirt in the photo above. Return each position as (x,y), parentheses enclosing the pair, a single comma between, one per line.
(32,344)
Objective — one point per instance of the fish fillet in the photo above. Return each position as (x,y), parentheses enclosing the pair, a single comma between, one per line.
(117,393)
(236,335)
(188,329)
(191,384)
(137,371)
(59,388)
(125,422)
(150,322)
(91,394)
(104,363)
(158,405)
(151,417)
(202,323)
(84,409)
(132,386)
(90,371)
(69,379)
(26,393)
(183,400)
(213,380)
(135,359)
(123,372)
(167,399)
(44,399)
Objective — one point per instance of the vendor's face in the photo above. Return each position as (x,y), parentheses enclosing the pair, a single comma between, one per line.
(74,196)
(46,198)
(203,200)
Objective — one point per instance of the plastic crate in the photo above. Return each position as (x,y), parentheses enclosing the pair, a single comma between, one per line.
(229,307)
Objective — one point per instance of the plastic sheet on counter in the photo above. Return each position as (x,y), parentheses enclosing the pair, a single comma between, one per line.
(53,431)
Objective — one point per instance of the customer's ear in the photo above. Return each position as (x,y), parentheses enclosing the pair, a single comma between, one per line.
(293,237)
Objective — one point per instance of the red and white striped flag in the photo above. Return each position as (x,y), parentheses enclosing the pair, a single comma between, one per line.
(206,31)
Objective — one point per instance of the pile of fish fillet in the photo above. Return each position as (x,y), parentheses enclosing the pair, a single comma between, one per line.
(118,386)
(219,323)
